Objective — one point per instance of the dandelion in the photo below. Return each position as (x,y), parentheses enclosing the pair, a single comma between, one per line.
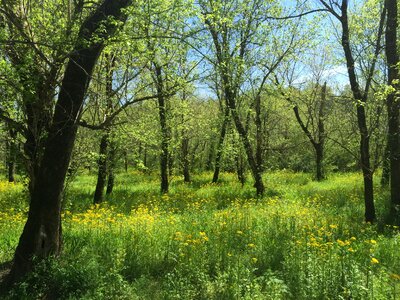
(373,242)
(251,245)
(254,260)
(343,243)
(374,261)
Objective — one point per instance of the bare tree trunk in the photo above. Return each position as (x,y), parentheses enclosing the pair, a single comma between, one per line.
(255,169)
(41,236)
(102,170)
(393,107)
(361,119)
(319,157)
(162,111)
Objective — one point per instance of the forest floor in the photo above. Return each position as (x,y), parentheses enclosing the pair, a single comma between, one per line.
(303,240)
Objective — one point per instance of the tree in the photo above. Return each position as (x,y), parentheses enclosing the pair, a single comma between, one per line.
(41,236)
(317,137)
(232,27)
(360,95)
(393,106)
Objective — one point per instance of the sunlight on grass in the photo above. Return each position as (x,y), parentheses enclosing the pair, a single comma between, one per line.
(306,240)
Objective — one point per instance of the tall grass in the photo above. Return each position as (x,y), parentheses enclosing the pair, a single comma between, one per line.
(303,240)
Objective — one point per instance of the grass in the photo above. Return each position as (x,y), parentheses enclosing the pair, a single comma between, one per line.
(303,240)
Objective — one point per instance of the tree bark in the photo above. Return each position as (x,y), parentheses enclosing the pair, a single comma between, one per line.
(319,157)
(102,170)
(41,236)
(361,100)
(240,168)
(162,111)
(254,167)
(393,107)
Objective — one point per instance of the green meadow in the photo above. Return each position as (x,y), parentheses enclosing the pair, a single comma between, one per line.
(302,240)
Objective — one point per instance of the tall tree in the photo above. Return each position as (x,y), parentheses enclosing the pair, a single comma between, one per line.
(393,106)
(232,25)
(317,137)
(340,12)
(41,236)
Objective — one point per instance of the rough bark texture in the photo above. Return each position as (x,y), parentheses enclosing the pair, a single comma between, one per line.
(392,57)
(41,236)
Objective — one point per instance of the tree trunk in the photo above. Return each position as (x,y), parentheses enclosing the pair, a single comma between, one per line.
(259,135)
(41,236)
(162,110)
(255,169)
(361,119)
(220,145)
(110,169)
(319,141)
(392,57)
(102,170)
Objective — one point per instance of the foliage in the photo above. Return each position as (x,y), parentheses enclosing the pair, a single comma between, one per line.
(306,240)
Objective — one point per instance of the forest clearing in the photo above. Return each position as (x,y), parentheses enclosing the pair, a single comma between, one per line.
(199,149)
(304,240)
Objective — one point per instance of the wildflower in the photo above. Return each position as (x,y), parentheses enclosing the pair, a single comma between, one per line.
(373,242)
(239,232)
(254,260)
(251,245)
(333,226)
(204,236)
(343,243)
(374,261)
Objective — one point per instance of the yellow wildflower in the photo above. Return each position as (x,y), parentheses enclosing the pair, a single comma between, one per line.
(374,261)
